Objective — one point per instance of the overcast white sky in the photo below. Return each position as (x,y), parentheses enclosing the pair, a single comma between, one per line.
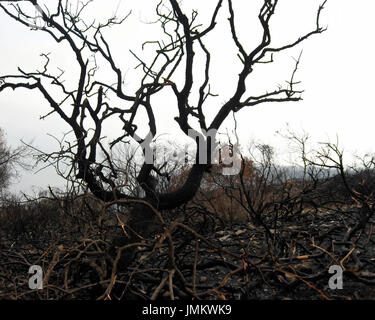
(336,72)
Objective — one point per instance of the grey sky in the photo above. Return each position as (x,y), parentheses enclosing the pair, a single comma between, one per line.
(336,71)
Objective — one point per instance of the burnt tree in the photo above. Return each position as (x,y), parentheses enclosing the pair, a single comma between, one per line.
(90,97)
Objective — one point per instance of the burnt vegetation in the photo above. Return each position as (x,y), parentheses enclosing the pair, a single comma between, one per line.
(161,229)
